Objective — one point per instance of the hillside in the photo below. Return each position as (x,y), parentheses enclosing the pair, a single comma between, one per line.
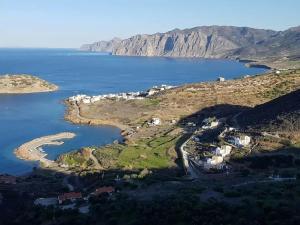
(266,46)
(281,114)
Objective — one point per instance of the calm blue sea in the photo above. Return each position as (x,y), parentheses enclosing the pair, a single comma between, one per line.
(28,116)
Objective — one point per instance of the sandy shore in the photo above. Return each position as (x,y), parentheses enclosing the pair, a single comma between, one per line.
(32,150)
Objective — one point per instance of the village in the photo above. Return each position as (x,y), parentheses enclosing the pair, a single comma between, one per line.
(210,146)
(85,99)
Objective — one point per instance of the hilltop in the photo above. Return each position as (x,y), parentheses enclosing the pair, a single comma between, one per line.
(22,83)
(275,49)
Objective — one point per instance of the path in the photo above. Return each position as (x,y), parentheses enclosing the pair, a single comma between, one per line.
(78,112)
(95,160)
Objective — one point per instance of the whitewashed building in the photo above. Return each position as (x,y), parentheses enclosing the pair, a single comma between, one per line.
(216,162)
(242,140)
(154,122)
(223,151)
(209,123)
(221,79)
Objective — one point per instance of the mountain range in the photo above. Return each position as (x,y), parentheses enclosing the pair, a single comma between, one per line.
(208,42)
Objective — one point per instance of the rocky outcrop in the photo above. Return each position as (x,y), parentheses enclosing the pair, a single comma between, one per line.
(22,83)
(208,42)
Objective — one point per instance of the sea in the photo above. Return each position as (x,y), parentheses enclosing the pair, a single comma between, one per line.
(24,117)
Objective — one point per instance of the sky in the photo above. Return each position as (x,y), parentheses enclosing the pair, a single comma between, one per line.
(70,23)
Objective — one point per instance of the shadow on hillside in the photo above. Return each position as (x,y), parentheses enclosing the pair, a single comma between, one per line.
(218,111)
(283,161)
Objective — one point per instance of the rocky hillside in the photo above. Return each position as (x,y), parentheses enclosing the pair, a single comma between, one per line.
(281,114)
(208,42)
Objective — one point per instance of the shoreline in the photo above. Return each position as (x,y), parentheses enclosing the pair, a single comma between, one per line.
(33,151)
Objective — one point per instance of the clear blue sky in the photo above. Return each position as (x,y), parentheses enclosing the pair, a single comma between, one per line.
(69,23)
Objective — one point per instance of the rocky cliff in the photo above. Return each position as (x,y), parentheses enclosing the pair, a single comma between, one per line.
(208,42)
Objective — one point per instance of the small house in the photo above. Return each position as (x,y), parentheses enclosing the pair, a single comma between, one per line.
(154,122)
(241,141)
(101,190)
(209,123)
(72,196)
(214,162)
(221,79)
(223,151)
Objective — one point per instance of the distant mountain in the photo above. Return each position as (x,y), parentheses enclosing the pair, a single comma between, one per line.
(208,42)
(281,114)
(281,44)
(101,46)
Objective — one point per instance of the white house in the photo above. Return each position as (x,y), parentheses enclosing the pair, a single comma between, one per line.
(191,124)
(196,139)
(210,123)
(86,100)
(223,151)
(221,79)
(242,140)
(154,122)
(214,162)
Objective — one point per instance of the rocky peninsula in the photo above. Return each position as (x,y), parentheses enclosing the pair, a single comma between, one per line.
(23,83)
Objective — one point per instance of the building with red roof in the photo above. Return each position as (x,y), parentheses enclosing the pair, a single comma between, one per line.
(72,196)
(105,189)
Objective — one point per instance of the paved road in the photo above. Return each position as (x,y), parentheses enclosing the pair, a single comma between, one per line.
(186,161)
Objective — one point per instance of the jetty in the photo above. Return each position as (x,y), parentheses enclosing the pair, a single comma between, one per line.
(33,151)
